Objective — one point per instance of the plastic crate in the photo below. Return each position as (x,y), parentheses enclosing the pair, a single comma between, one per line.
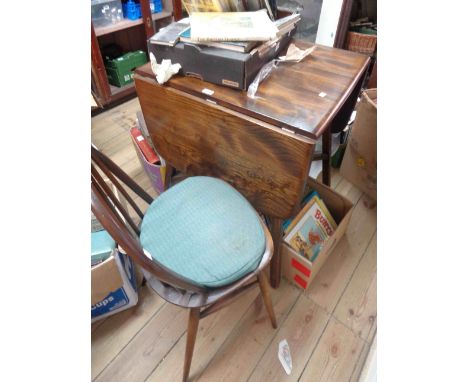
(131,10)
(120,70)
(156,6)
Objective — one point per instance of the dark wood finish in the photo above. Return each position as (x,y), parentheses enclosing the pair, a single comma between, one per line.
(289,97)
(268,165)
(177,9)
(373,77)
(98,71)
(265,288)
(192,328)
(343,24)
(147,18)
(174,288)
(326,156)
(275,265)
(262,146)
(130,35)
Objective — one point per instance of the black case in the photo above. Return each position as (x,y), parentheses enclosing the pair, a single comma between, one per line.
(216,65)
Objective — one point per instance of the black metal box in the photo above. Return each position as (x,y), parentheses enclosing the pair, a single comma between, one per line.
(217,65)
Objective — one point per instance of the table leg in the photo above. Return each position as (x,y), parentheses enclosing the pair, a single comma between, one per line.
(275,264)
(168,176)
(326,160)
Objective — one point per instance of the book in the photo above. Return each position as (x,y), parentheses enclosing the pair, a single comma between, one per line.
(148,152)
(170,35)
(287,223)
(312,228)
(207,6)
(237,46)
(155,172)
(232,26)
(141,125)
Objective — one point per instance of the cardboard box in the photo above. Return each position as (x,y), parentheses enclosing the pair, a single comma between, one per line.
(298,269)
(113,286)
(114,281)
(216,65)
(359,164)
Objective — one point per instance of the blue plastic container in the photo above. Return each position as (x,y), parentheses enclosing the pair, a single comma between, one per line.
(131,10)
(156,6)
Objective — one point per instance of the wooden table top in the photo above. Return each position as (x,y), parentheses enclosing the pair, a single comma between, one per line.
(289,98)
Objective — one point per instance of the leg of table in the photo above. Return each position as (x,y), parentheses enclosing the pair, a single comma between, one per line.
(275,265)
(326,150)
(168,176)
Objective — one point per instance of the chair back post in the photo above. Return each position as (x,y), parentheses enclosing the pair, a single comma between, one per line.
(117,222)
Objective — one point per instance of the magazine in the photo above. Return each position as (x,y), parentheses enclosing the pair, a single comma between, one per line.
(312,228)
(232,26)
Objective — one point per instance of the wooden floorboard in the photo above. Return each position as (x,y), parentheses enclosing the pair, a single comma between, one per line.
(329,328)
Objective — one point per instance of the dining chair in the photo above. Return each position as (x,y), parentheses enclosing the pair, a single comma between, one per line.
(200,244)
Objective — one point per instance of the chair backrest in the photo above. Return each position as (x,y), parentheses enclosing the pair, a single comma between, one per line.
(115,219)
(268,165)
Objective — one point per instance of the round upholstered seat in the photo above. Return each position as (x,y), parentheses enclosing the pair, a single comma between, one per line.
(204,230)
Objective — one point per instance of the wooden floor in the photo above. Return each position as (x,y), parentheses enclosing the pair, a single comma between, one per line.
(329,328)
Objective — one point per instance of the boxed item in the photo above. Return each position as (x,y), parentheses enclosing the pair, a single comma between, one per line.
(113,285)
(217,65)
(299,269)
(106,12)
(120,70)
(359,164)
(114,276)
(102,245)
(155,171)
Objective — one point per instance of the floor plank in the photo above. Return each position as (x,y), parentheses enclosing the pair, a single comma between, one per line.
(357,307)
(302,330)
(335,356)
(335,274)
(117,331)
(212,332)
(240,353)
(238,343)
(141,355)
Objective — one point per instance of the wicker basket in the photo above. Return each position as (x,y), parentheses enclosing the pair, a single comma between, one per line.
(361,43)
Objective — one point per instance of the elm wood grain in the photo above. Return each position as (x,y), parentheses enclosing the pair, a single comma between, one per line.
(171,286)
(265,288)
(336,354)
(289,97)
(268,165)
(326,156)
(114,332)
(212,333)
(337,271)
(275,265)
(98,71)
(194,319)
(239,354)
(302,329)
(357,307)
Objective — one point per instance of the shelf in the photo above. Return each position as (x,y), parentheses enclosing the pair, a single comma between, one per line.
(126,23)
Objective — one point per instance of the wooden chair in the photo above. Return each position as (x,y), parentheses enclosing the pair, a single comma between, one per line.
(166,282)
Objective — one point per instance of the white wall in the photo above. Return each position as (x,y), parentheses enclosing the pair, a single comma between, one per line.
(328,22)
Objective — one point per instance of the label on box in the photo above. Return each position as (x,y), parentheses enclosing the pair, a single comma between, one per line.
(113,301)
(129,268)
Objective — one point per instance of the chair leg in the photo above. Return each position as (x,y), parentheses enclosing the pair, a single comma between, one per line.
(192,328)
(265,288)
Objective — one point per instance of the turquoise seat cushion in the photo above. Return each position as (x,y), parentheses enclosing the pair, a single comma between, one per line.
(204,230)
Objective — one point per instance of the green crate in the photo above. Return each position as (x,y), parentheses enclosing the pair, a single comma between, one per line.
(120,70)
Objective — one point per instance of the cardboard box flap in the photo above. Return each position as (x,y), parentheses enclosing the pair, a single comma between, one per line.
(105,278)
(337,204)
(363,138)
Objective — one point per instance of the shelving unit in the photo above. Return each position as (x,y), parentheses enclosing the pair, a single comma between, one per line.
(131,35)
